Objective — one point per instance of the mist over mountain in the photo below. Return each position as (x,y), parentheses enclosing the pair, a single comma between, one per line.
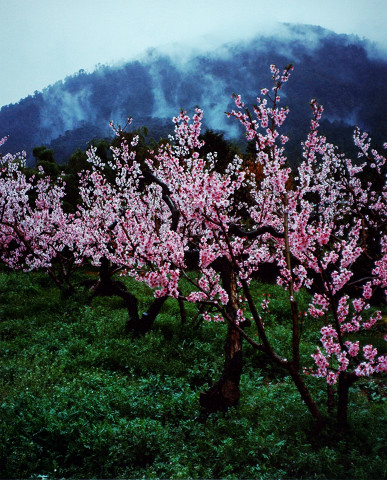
(341,72)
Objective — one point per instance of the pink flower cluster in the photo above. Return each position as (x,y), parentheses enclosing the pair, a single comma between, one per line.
(32,232)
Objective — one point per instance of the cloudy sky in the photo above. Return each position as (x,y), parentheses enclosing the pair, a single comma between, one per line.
(42,41)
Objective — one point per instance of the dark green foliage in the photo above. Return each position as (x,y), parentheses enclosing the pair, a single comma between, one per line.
(44,158)
(43,153)
(80,399)
(77,163)
(215,142)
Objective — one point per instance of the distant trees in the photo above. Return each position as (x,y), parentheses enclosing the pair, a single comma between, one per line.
(45,158)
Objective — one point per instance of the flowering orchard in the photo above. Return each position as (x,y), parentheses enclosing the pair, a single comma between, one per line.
(177,217)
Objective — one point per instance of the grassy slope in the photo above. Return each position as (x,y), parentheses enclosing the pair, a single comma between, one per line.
(79,398)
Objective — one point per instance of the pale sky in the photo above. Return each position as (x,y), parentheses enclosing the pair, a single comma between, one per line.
(42,41)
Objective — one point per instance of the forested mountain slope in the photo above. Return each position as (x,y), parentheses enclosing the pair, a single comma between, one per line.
(340,71)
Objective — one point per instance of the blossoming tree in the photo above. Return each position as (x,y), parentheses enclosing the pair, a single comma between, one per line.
(33,224)
(329,216)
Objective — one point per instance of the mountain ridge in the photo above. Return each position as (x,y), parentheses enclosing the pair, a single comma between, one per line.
(338,70)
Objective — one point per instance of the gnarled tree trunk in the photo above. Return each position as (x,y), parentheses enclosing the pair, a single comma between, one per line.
(346,380)
(225,393)
(136,324)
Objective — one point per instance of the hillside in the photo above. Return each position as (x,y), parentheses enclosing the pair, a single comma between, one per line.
(338,70)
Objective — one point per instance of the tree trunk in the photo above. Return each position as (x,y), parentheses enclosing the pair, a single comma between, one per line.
(135,324)
(225,393)
(306,396)
(330,398)
(141,325)
(346,380)
(183,313)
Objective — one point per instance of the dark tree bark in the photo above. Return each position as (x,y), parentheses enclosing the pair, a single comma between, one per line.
(183,313)
(136,324)
(330,398)
(306,396)
(140,325)
(346,380)
(225,393)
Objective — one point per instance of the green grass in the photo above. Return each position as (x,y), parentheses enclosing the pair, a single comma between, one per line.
(79,398)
